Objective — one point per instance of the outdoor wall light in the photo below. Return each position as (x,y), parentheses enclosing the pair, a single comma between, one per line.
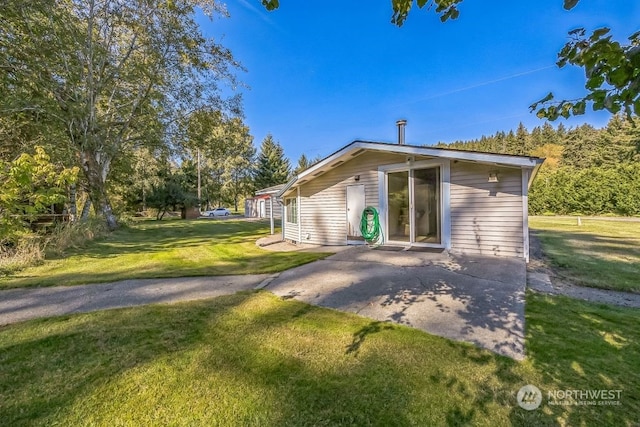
(493,176)
(356,178)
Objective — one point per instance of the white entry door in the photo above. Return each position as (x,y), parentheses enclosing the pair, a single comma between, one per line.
(355,206)
(263,211)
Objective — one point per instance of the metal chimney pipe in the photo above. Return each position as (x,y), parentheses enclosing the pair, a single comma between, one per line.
(401,124)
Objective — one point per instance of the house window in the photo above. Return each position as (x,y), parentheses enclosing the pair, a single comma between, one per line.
(292,210)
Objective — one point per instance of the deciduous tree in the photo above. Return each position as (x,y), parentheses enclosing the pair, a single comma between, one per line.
(114,73)
(239,163)
(29,185)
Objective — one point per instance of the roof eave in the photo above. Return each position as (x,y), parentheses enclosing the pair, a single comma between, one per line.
(478,157)
(287,186)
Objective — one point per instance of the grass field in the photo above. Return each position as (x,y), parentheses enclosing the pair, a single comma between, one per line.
(163,249)
(255,359)
(599,253)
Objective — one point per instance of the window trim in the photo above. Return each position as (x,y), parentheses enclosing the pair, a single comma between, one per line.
(291,206)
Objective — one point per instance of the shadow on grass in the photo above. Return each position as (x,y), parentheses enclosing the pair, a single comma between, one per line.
(582,346)
(253,359)
(362,333)
(594,260)
(79,356)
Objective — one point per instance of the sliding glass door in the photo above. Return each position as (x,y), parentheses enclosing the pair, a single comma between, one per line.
(398,202)
(426,212)
(413,201)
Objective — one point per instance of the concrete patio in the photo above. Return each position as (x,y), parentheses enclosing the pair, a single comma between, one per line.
(467,298)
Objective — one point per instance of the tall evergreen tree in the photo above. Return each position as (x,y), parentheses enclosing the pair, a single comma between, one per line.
(523,140)
(549,135)
(622,140)
(305,163)
(273,167)
(583,147)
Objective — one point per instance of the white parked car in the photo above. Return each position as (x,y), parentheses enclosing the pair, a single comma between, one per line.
(217,212)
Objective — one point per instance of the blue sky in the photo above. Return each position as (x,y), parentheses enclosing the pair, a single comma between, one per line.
(321,74)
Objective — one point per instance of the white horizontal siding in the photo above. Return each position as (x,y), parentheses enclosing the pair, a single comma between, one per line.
(511,232)
(486,217)
(250,208)
(323,200)
(291,232)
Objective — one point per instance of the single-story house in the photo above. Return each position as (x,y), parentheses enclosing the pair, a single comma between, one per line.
(460,201)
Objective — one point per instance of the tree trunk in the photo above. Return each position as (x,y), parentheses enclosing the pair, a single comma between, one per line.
(96,173)
(144,199)
(102,207)
(85,210)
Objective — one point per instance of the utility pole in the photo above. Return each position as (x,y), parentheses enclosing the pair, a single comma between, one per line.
(199,191)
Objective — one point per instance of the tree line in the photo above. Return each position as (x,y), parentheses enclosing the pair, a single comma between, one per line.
(219,166)
(587,170)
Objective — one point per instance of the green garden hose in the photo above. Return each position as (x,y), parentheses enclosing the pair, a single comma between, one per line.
(370,226)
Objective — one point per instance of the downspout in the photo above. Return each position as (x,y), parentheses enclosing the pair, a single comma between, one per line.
(525,213)
(283,210)
(284,219)
(299,216)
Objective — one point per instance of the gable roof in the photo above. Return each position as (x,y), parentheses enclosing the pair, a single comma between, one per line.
(358,147)
(269,190)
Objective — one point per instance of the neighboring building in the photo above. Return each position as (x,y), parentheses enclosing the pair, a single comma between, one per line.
(260,205)
(265,205)
(461,201)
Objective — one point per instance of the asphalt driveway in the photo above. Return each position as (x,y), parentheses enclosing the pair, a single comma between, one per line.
(467,298)
(17,305)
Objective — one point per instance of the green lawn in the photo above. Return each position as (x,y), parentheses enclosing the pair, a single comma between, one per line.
(163,249)
(599,253)
(255,359)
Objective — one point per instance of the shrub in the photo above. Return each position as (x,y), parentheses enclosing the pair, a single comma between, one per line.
(24,252)
(67,235)
(589,191)
(30,248)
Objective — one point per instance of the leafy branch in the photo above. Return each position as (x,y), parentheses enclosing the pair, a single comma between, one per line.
(612,71)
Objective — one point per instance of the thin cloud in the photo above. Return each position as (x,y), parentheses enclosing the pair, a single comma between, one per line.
(262,13)
(489,82)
